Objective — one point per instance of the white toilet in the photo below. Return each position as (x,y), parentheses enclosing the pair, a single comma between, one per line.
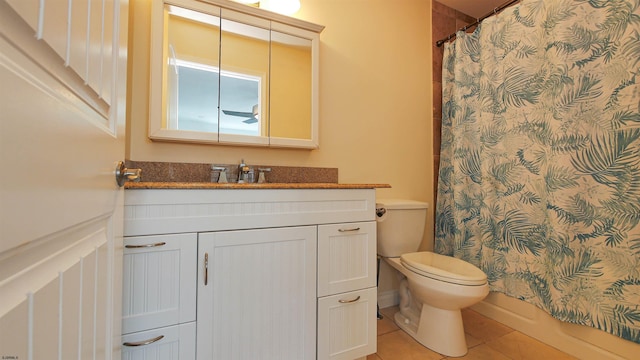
(434,287)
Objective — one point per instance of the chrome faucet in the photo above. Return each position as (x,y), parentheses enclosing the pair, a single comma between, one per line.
(243,172)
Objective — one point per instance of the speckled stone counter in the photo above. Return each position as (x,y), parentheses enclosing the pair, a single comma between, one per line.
(203,185)
(166,175)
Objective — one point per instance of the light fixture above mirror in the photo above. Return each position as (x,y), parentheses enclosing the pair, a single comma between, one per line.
(286,7)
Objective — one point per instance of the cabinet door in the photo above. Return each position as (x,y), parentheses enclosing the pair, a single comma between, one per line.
(257,294)
(347,325)
(169,343)
(159,282)
(346,257)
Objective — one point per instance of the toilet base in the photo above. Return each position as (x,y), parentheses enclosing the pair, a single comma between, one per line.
(437,329)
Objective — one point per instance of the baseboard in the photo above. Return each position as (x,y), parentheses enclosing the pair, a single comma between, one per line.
(388,298)
(580,341)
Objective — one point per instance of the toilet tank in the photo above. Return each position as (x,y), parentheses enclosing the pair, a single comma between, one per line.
(400,225)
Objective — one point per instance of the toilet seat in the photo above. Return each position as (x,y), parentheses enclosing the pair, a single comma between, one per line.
(443,268)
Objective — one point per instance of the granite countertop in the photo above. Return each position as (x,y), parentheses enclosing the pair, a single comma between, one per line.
(163,175)
(235,186)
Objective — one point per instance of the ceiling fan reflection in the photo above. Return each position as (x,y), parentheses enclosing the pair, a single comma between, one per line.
(252,117)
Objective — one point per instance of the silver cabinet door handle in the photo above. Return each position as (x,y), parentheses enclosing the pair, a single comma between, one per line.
(347,230)
(144,342)
(206,268)
(145,245)
(349,301)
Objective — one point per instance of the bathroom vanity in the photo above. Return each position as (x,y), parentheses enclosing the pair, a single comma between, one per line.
(250,272)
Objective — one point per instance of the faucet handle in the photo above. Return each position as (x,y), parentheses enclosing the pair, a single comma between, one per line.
(222,178)
(261,178)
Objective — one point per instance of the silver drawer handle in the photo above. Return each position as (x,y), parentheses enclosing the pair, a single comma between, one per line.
(144,342)
(145,246)
(347,230)
(206,269)
(349,301)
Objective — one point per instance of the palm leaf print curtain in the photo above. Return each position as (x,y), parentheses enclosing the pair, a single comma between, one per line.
(539,182)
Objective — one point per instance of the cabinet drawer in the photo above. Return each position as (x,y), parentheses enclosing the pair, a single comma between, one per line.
(347,325)
(173,342)
(346,257)
(159,281)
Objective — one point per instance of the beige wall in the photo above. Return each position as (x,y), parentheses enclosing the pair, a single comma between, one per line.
(375,101)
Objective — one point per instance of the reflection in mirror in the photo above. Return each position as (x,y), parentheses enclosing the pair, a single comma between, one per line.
(240,96)
(195,97)
(244,102)
(291,86)
(191,68)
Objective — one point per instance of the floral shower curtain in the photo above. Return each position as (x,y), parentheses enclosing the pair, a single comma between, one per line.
(539,181)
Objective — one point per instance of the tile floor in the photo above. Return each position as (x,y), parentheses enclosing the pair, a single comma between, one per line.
(487,340)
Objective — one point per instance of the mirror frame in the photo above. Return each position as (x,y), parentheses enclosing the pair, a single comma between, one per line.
(233,11)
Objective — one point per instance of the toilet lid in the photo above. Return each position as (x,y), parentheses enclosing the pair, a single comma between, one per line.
(444,268)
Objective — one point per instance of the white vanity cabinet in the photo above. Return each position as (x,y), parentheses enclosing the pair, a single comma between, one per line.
(159,299)
(280,273)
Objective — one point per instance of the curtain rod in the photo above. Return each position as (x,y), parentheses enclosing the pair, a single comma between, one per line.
(494,12)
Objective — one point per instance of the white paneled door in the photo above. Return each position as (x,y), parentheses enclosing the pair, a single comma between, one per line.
(62,124)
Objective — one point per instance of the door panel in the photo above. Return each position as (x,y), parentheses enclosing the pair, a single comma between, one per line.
(256,294)
(60,207)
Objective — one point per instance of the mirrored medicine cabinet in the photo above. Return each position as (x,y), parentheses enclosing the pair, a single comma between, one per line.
(227,73)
